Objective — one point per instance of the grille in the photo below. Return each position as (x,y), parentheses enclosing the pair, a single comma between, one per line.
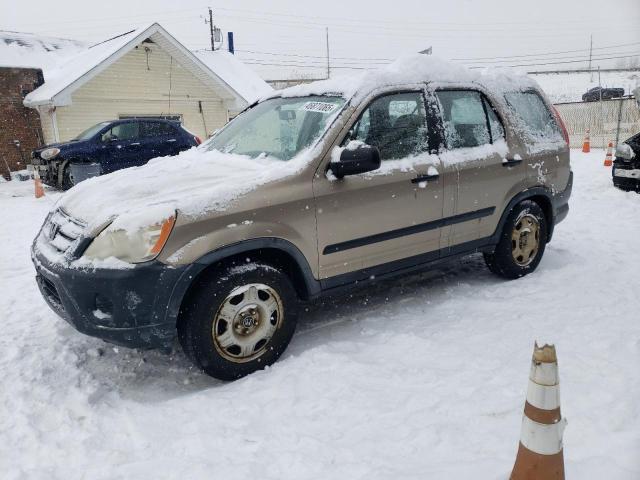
(62,231)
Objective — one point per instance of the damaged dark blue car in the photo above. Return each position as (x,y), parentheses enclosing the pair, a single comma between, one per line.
(110,146)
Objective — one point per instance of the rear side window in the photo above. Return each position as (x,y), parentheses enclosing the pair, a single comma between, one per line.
(157,129)
(533,113)
(466,116)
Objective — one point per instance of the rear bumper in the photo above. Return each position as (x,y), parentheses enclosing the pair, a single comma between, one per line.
(134,307)
(560,201)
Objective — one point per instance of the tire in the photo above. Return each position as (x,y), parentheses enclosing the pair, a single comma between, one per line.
(238,319)
(515,254)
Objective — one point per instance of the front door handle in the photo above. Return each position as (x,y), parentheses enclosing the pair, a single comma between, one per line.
(424,178)
(134,144)
(510,162)
(171,140)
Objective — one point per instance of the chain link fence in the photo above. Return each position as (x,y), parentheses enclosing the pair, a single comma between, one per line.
(603,119)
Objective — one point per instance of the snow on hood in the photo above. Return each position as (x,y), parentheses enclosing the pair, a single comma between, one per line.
(408,69)
(193,183)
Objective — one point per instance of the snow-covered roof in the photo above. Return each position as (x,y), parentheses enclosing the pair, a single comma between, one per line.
(411,69)
(26,50)
(244,80)
(75,71)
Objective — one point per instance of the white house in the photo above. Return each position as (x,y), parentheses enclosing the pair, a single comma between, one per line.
(145,72)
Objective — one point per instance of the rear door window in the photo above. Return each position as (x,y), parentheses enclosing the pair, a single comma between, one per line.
(158,129)
(395,124)
(533,114)
(465,120)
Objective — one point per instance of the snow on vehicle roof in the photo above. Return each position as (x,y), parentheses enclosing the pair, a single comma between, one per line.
(411,69)
(26,50)
(227,66)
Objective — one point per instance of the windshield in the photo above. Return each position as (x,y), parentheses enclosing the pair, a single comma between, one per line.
(279,127)
(91,131)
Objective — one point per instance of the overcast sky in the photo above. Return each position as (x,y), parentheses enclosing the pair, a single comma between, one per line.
(283,38)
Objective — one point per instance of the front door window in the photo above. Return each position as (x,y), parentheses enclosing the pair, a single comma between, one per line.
(395,124)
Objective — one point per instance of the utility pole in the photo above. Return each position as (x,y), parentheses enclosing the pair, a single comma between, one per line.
(590,52)
(211,30)
(328,57)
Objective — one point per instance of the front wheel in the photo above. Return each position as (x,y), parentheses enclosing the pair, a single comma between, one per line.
(239,319)
(522,242)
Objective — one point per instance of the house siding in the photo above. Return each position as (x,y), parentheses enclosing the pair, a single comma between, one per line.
(145,81)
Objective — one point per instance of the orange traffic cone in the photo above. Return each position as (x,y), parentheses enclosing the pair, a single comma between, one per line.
(586,145)
(540,454)
(39,189)
(608,160)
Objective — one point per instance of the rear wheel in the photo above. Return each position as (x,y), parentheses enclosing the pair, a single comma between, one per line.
(522,242)
(238,320)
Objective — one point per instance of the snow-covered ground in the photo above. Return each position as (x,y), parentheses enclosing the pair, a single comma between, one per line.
(422,377)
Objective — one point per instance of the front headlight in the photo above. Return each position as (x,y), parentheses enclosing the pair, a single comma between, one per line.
(49,153)
(133,247)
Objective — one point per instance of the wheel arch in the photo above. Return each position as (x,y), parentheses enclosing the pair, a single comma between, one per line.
(542,196)
(276,251)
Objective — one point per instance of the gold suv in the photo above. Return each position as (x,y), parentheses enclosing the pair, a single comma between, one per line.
(312,190)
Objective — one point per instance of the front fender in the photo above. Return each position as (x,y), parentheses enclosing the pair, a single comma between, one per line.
(190,274)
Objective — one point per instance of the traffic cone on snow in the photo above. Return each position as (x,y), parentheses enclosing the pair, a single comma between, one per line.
(608,160)
(540,451)
(39,189)
(586,145)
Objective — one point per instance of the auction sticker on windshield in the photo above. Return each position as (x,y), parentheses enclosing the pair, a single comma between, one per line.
(322,107)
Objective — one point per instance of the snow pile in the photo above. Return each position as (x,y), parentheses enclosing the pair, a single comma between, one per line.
(194,183)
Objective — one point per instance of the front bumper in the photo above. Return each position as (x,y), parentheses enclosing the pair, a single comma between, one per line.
(134,307)
(626,175)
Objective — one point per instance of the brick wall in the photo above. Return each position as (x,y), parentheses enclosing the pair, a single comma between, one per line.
(20,130)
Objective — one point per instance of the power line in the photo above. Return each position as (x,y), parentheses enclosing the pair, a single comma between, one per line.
(312,56)
(548,53)
(418,24)
(572,57)
(558,63)
(319,65)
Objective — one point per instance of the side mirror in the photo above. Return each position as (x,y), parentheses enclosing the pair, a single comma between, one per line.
(360,160)
(624,151)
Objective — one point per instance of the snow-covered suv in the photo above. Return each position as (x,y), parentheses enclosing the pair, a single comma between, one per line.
(311,190)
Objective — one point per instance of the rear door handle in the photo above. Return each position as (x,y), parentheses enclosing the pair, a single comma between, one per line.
(424,178)
(171,140)
(510,162)
(134,144)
